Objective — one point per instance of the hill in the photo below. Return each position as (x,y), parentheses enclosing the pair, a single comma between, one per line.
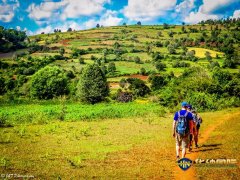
(123,52)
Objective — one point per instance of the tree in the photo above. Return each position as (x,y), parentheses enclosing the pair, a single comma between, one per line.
(160,66)
(2,85)
(165,26)
(143,71)
(157,82)
(61,51)
(111,67)
(137,60)
(208,55)
(69,30)
(49,82)
(92,86)
(81,60)
(170,33)
(221,76)
(98,26)
(138,87)
(139,23)
(171,49)
(123,83)
(124,24)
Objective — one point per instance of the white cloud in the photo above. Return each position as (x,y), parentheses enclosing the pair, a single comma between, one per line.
(18,28)
(90,23)
(53,11)
(236,14)
(210,6)
(108,19)
(195,17)
(146,10)
(185,6)
(77,8)
(45,10)
(62,27)
(7,10)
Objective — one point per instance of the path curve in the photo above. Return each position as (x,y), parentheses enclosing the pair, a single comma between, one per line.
(190,173)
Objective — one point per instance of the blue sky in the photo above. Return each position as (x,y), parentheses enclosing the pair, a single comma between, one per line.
(46,15)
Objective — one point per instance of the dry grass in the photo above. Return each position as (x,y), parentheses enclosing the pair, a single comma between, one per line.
(119,148)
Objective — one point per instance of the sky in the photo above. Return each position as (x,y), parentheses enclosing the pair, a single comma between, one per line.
(36,16)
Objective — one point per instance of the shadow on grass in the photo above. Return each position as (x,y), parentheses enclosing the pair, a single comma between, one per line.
(211,145)
(208,147)
(2,142)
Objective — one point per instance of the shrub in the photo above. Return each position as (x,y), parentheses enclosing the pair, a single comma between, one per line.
(92,86)
(124,97)
(137,60)
(49,82)
(160,66)
(138,87)
(171,49)
(111,67)
(28,71)
(2,86)
(123,83)
(157,82)
(143,71)
(221,76)
(157,56)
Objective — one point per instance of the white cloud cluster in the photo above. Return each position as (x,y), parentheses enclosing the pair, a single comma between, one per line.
(44,10)
(7,10)
(236,14)
(209,10)
(108,19)
(185,6)
(53,11)
(210,6)
(147,10)
(63,27)
(195,17)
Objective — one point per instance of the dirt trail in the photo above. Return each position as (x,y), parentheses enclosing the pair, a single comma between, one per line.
(190,173)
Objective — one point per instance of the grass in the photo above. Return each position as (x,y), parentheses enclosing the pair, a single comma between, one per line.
(39,113)
(128,148)
(200,52)
(222,143)
(124,67)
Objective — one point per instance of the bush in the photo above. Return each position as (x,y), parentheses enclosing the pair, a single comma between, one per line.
(92,86)
(138,87)
(160,66)
(221,76)
(124,97)
(202,100)
(28,71)
(111,67)
(49,82)
(2,86)
(171,49)
(137,60)
(157,82)
(156,56)
(143,71)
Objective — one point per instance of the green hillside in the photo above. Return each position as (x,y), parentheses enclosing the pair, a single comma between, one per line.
(134,51)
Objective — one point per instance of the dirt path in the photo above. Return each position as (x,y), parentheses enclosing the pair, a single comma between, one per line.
(190,173)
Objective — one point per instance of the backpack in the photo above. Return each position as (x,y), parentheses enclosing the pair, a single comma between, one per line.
(197,119)
(182,125)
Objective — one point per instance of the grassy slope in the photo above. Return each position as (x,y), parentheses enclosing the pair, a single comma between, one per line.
(119,148)
(222,143)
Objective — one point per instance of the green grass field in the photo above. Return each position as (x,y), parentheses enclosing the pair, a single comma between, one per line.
(131,146)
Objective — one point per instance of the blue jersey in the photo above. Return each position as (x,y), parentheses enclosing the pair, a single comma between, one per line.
(183,112)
